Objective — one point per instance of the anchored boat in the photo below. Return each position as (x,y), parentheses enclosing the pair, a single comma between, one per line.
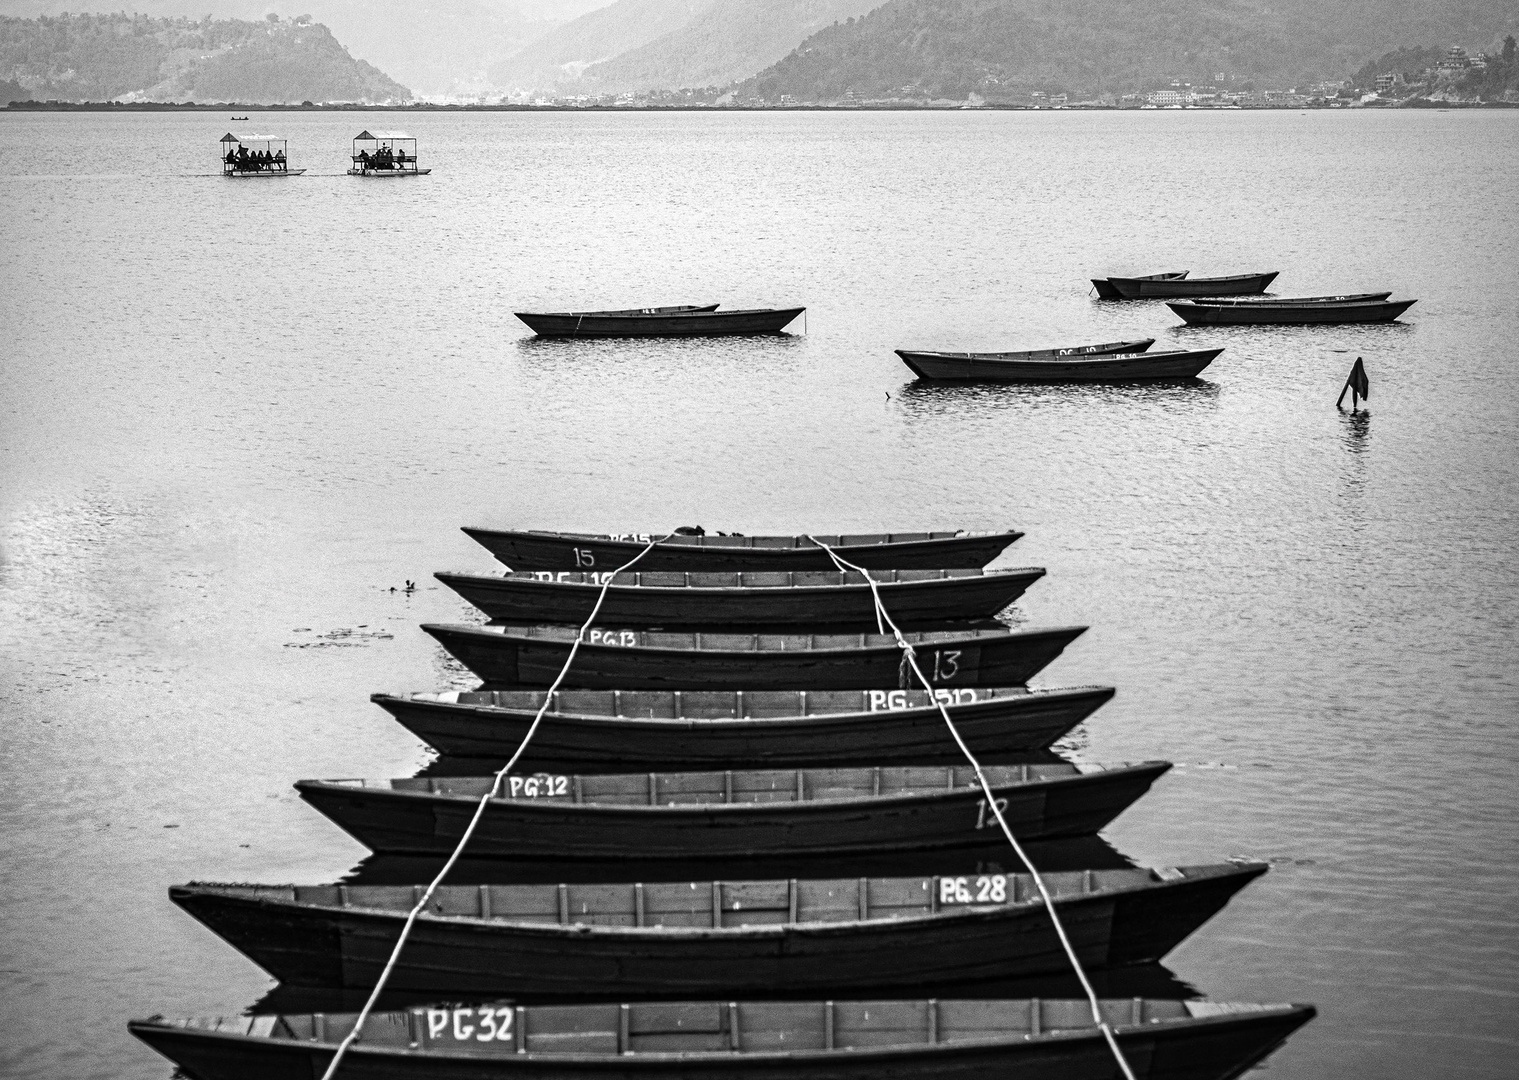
(1107,291)
(714,938)
(1281,300)
(533,550)
(683,321)
(1032,1039)
(255,156)
(1148,288)
(512,656)
(636,731)
(382,154)
(751,814)
(1120,367)
(1268,313)
(675,600)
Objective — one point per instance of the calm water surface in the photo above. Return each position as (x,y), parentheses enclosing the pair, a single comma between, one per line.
(238,414)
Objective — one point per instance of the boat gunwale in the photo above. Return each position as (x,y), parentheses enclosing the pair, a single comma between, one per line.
(529,577)
(358,787)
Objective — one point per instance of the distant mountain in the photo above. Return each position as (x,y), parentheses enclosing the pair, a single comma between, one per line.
(561,55)
(138,58)
(1002,49)
(730,40)
(440,47)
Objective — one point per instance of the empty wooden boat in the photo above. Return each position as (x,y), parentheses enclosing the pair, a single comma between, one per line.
(1030,1039)
(1120,367)
(756,814)
(511,656)
(685,321)
(1341,299)
(1267,313)
(957,361)
(1157,288)
(640,730)
(756,600)
(953,550)
(714,938)
(1107,291)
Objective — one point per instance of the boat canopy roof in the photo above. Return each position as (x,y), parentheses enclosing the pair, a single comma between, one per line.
(382,136)
(231,138)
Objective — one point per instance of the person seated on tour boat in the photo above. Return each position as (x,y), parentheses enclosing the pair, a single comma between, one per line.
(265,160)
(400,157)
(279,160)
(242,157)
(363,159)
(231,158)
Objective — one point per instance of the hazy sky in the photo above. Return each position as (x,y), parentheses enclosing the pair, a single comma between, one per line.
(253,9)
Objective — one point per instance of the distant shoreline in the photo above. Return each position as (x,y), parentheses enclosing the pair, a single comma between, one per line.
(154,106)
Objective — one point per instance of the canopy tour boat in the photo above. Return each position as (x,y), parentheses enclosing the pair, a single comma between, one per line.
(385,153)
(255,155)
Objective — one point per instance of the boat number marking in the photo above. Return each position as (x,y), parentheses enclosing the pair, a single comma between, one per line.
(482,1024)
(988,889)
(946,664)
(893,700)
(985,820)
(584,557)
(575,576)
(623,638)
(538,784)
(642,538)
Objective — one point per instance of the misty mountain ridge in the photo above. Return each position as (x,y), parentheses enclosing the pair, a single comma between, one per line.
(138,58)
(562,54)
(1002,50)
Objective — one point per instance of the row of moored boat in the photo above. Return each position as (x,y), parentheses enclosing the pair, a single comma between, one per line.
(739,842)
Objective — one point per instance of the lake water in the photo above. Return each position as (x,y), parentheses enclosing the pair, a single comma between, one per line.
(239,415)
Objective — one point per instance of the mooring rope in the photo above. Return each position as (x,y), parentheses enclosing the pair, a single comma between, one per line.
(910,657)
(490,793)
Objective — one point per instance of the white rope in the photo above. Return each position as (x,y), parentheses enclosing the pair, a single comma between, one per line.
(1049,904)
(548,697)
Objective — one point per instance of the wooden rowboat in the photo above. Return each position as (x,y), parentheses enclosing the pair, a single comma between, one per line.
(955,550)
(1269,314)
(659,322)
(714,938)
(675,600)
(511,656)
(913,358)
(1120,367)
(683,817)
(1155,288)
(636,731)
(1106,290)
(1279,300)
(1031,1039)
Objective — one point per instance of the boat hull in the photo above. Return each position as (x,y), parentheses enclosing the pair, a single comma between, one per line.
(931,602)
(1291,314)
(584,551)
(1119,368)
(603,662)
(383,174)
(692,324)
(1107,291)
(998,730)
(422,822)
(263,174)
(310,939)
(1215,1047)
(1160,288)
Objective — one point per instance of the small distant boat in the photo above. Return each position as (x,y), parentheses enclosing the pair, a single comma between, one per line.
(239,118)
(1115,367)
(1031,1039)
(538,550)
(679,321)
(1266,313)
(1281,300)
(1107,291)
(506,657)
(873,935)
(626,822)
(261,156)
(815,600)
(382,154)
(643,730)
(1157,288)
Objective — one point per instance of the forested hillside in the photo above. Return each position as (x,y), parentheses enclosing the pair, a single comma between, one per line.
(138,58)
(1002,49)
(561,55)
